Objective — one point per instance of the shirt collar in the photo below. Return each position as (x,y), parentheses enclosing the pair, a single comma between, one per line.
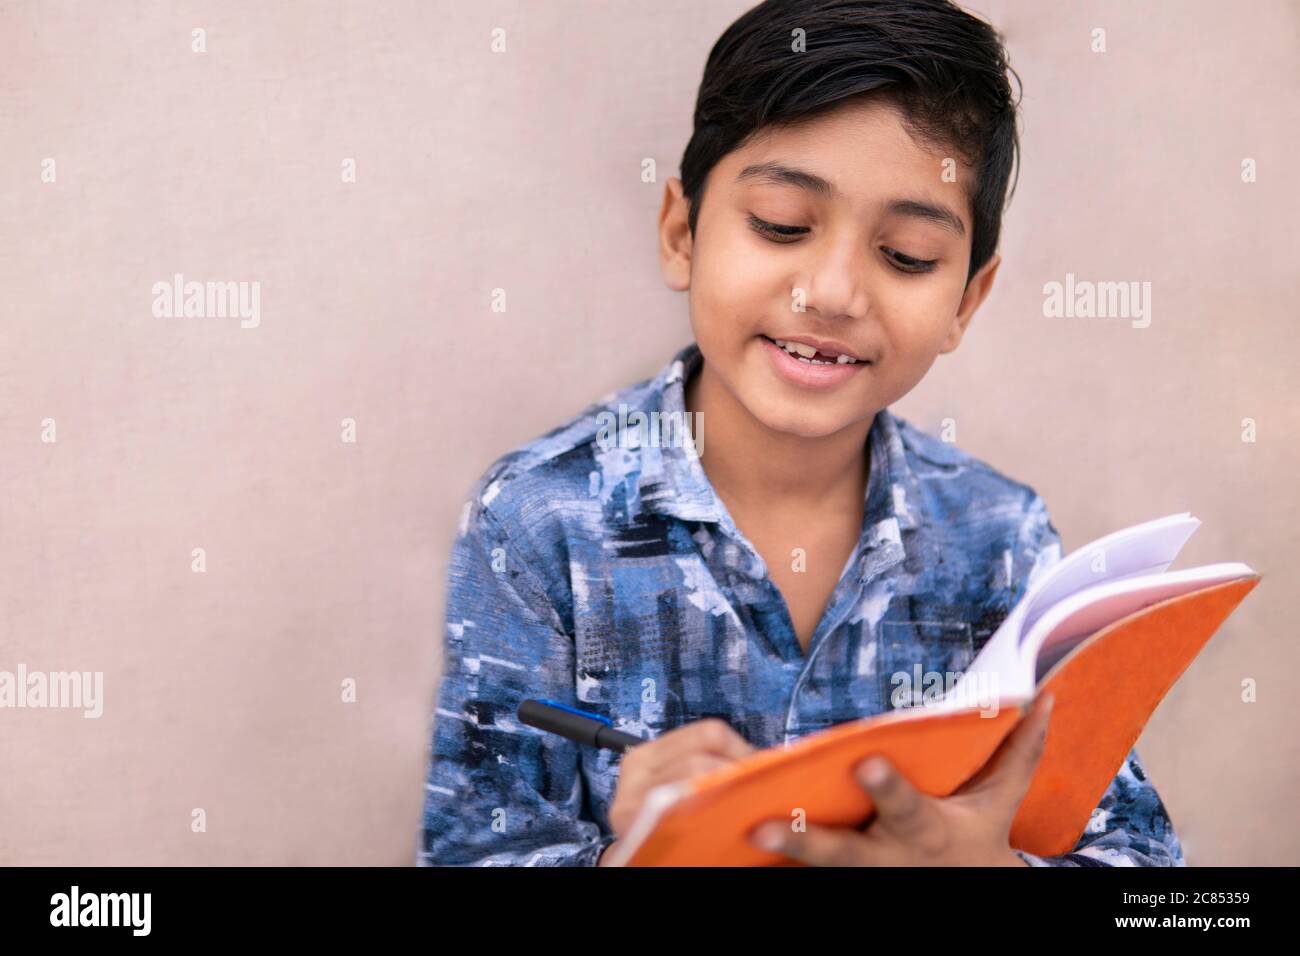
(672,480)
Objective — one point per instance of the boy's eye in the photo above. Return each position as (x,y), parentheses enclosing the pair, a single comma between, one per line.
(775,231)
(906,263)
(787,234)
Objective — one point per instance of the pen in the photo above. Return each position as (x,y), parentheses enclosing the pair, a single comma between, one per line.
(590,729)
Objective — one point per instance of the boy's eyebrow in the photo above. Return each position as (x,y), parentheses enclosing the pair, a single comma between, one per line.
(783,175)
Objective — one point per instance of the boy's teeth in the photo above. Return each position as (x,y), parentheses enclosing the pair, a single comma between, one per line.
(805,353)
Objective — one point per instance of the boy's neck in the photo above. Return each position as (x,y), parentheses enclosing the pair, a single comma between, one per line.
(753,466)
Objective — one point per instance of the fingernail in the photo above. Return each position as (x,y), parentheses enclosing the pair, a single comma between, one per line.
(875,772)
(768,838)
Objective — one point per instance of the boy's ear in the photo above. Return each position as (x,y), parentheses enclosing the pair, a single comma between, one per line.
(977,290)
(675,244)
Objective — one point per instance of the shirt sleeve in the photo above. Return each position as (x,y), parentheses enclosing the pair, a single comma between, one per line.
(500,793)
(1130,827)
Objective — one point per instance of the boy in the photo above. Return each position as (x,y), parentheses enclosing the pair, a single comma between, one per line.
(835,228)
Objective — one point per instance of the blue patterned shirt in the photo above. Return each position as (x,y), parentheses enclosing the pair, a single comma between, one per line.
(598,568)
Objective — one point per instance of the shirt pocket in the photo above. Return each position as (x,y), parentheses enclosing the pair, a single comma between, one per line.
(922,657)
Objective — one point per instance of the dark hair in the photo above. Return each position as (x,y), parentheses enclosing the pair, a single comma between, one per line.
(945,71)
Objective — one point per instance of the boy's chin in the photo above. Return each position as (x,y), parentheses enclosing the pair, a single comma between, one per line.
(802,424)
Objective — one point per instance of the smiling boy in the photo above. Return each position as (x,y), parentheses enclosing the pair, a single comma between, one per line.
(834,228)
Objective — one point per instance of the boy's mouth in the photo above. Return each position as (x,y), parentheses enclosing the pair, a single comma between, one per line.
(816,353)
(815,365)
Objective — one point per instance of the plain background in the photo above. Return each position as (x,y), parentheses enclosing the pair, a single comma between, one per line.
(522,171)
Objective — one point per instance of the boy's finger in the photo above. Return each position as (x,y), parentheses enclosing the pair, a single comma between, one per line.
(900,807)
(687,766)
(996,769)
(817,845)
(709,736)
(1018,758)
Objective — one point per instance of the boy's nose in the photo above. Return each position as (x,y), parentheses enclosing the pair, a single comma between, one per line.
(836,284)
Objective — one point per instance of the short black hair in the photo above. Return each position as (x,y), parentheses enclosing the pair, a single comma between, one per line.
(944,69)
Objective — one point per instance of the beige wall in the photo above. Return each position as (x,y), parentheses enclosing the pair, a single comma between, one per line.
(522,171)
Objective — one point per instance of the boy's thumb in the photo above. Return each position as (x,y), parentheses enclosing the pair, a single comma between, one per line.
(1011,768)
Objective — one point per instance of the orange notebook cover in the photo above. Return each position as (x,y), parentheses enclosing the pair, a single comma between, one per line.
(1106,689)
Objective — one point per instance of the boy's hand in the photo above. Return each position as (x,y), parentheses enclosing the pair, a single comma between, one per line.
(970,828)
(683,752)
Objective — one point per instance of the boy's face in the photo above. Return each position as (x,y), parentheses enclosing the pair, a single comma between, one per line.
(877,255)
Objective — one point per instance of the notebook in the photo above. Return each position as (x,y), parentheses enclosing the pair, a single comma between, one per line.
(1108,629)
